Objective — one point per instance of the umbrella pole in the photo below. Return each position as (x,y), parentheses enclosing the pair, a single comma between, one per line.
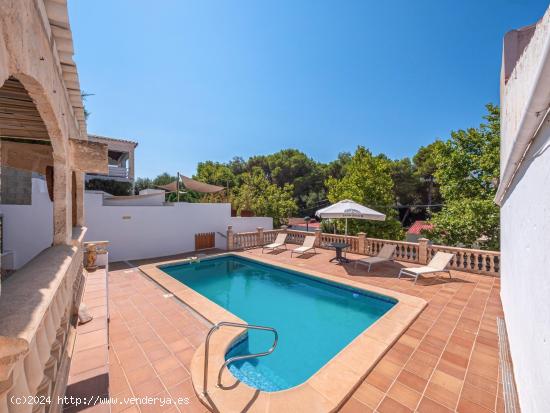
(346,240)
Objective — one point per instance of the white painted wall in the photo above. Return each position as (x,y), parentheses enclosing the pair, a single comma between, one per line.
(525,221)
(247,224)
(525,274)
(137,232)
(28,229)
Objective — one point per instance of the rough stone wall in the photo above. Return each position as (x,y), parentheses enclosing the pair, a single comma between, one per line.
(15,186)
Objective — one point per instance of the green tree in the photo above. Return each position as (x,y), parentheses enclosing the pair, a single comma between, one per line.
(425,167)
(405,182)
(368,180)
(264,198)
(215,173)
(467,170)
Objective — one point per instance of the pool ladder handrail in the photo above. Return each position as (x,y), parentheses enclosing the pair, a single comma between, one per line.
(235,358)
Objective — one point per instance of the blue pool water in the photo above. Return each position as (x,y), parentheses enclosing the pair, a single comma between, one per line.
(315,319)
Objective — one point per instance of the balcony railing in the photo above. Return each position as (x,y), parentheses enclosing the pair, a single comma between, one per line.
(118,171)
(465,259)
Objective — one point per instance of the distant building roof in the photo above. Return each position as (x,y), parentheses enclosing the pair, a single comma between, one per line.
(106,138)
(418,226)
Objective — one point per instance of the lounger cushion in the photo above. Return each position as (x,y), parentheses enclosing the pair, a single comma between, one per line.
(373,260)
(421,270)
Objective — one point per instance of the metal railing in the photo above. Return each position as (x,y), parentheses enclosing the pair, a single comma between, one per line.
(118,171)
(235,358)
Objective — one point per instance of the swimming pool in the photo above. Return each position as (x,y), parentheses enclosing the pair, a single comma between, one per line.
(315,318)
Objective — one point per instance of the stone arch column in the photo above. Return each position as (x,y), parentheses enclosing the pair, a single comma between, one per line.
(79,180)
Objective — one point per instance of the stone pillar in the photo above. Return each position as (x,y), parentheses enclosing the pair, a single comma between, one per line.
(230,241)
(318,237)
(131,165)
(361,238)
(260,239)
(80,219)
(423,250)
(62,212)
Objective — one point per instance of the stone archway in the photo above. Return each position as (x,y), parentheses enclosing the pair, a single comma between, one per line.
(28,121)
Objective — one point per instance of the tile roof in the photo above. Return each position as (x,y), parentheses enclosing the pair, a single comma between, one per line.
(418,226)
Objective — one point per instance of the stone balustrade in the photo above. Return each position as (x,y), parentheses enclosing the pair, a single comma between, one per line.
(470,260)
(36,309)
(421,252)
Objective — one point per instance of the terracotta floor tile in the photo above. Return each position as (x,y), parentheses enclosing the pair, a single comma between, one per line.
(132,358)
(179,345)
(444,389)
(368,394)
(91,339)
(451,368)
(383,375)
(429,406)
(478,396)
(482,383)
(466,406)
(185,357)
(117,385)
(149,388)
(412,380)
(432,345)
(157,353)
(140,375)
(422,364)
(404,395)
(388,405)
(166,364)
(89,359)
(182,390)
(354,406)
(174,376)
(399,353)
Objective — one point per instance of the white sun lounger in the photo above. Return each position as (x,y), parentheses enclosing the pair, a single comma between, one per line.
(308,245)
(385,254)
(438,264)
(280,241)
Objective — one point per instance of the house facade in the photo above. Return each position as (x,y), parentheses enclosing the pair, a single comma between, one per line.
(524,197)
(120,153)
(43,141)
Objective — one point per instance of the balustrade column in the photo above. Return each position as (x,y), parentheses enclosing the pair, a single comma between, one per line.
(318,234)
(230,240)
(423,250)
(361,242)
(260,240)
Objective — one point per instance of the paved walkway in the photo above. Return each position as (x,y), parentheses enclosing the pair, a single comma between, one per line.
(446,361)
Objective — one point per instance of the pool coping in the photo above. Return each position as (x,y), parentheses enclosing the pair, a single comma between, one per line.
(324,391)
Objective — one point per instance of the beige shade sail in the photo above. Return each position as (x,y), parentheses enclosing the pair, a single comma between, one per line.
(192,185)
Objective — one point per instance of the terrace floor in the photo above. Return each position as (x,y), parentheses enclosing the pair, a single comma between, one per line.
(447,360)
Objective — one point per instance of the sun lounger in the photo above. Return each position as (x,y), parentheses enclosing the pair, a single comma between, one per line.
(308,245)
(385,254)
(280,241)
(438,264)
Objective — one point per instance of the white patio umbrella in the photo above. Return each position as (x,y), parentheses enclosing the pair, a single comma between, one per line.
(350,209)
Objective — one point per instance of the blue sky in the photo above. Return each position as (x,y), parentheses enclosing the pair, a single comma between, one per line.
(199,80)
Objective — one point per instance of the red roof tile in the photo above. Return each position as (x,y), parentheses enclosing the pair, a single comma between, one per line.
(418,226)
